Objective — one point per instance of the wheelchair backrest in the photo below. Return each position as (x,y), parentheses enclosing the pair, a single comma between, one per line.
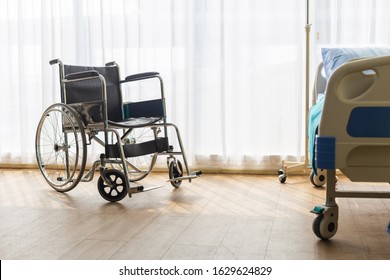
(91,90)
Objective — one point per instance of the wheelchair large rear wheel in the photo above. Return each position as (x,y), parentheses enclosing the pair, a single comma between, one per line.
(60,147)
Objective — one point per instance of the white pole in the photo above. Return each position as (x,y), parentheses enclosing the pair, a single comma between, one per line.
(294,166)
(307,29)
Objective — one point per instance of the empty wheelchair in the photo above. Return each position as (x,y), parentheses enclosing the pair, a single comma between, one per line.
(132,134)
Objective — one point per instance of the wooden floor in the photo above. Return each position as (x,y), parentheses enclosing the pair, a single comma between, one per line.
(214,217)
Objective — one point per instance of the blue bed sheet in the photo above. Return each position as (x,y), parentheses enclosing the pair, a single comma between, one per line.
(314,122)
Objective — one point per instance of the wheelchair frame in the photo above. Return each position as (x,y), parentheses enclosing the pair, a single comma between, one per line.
(61,139)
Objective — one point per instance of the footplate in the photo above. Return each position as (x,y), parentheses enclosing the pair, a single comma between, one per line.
(139,189)
(189,177)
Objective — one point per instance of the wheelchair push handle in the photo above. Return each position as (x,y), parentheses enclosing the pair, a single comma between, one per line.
(55,61)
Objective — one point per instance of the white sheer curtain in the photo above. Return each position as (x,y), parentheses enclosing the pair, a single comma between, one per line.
(233,70)
(351,23)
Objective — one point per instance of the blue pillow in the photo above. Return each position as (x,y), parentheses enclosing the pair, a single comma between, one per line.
(335,57)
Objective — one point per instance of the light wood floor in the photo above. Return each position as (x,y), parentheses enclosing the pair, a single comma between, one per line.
(214,217)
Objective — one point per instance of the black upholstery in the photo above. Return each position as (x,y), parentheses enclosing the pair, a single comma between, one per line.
(91,90)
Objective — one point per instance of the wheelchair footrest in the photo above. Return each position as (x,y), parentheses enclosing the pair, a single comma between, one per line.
(138,189)
(193,175)
(139,149)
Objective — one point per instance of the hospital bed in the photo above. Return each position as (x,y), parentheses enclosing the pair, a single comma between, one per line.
(349,128)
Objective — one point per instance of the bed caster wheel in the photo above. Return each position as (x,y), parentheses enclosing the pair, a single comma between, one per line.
(325,224)
(175,171)
(318,180)
(282,176)
(113,186)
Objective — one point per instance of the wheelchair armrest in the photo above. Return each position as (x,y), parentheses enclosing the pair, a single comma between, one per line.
(141,76)
(82,75)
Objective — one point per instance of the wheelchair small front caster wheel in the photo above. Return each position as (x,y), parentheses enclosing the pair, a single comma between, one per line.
(175,171)
(113,186)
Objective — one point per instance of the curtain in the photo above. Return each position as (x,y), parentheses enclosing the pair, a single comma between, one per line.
(351,23)
(233,70)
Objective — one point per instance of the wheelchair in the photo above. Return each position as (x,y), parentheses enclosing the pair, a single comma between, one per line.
(132,134)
